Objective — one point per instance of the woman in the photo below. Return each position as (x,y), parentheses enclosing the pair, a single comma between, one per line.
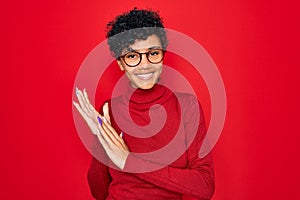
(138,41)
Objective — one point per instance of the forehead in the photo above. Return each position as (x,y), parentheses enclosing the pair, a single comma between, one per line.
(150,42)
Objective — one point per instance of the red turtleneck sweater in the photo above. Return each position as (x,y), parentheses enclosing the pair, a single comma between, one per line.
(163,163)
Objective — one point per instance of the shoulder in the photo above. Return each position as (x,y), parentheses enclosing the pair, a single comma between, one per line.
(190,106)
(187,99)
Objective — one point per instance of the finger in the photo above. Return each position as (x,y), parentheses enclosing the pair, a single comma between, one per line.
(106,112)
(111,134)
(107,134)
(87,103)
(103,142)
(86,99)
(108,128)
(111,137)
(123,142)
(82,101)
(115,137)
(86,106)
(82,113)
(92,109)
(92,124)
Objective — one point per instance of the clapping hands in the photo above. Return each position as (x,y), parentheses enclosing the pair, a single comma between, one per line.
(112,142)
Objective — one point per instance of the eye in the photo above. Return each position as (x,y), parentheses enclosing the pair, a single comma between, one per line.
(131,56)
(154,52)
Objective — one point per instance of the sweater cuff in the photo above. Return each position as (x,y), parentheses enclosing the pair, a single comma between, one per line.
(136,164)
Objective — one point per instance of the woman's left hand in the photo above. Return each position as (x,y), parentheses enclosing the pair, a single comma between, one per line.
(112,142)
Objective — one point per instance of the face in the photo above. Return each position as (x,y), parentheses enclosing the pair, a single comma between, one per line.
(145,75)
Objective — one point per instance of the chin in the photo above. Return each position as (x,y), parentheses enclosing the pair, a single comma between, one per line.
(146,86)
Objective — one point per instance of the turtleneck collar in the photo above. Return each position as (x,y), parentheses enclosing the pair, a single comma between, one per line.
(158,94)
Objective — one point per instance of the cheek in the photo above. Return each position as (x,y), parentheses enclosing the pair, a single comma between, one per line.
(129,72)
(159,68)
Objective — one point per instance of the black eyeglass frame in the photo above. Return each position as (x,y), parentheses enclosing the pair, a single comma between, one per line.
(141,55)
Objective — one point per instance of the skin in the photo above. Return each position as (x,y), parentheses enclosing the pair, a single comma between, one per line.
(111,141)
(143,76)
(146,74)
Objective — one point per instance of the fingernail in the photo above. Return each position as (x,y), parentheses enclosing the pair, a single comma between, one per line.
(76,90)
(104,119)
(121,134)
(99,120)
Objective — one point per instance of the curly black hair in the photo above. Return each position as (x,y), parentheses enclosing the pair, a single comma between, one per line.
(134,25)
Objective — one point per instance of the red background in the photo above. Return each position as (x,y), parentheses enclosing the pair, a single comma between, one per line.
(254,43)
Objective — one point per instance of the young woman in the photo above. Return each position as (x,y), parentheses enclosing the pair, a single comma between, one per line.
(138,41)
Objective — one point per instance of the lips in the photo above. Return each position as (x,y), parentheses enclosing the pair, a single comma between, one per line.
(145,76)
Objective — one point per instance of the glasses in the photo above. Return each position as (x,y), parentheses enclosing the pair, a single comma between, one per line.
(133,58)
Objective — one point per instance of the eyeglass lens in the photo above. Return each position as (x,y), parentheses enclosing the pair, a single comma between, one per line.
(133,58)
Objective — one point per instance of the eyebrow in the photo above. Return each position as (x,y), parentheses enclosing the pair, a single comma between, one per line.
(129,49)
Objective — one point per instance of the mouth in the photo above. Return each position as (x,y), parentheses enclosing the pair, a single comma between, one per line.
(145,76)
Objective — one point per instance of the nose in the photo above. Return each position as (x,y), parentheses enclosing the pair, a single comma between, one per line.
(144,61)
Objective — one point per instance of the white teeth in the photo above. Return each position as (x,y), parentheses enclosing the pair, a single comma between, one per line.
(144,76)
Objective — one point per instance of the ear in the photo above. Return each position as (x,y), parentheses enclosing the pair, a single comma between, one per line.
(120,65)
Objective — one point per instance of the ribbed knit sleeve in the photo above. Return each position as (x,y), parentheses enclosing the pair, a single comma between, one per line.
(98,175)
(197,179)
(175,171)
(98,179)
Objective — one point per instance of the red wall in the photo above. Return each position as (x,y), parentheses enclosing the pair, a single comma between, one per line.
(255,45)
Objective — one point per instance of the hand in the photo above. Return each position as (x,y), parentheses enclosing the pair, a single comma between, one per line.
(112,142)
(86,110)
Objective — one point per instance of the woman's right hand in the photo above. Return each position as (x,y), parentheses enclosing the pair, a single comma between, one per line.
(87,111)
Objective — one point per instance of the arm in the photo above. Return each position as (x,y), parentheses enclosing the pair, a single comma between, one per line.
(98,179)
(98,174)
(197,179)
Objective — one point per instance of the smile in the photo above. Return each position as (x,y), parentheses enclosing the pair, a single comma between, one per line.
(145,76)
